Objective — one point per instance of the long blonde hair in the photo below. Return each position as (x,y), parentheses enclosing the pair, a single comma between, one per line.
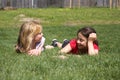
(27,33)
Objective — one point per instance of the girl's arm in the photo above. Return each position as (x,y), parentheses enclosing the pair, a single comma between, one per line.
(39,48)
(91,39)
(66,49)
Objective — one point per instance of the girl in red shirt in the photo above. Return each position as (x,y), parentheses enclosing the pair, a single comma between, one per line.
(85,42)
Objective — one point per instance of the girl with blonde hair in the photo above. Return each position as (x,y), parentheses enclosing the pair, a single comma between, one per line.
(30,39)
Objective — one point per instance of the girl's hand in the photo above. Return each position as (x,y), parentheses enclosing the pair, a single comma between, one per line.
(35,52)
(92,37)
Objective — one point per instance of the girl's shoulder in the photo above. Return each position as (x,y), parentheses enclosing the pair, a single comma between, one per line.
(73,40)
(43,38)
(73,43)
(96,46)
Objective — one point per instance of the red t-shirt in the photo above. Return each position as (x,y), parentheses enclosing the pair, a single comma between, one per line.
(73,44)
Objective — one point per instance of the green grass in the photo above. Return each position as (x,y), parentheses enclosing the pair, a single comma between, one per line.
(61,23)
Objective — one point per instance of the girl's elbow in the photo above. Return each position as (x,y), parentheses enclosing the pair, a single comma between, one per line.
(94,53)
(63,51)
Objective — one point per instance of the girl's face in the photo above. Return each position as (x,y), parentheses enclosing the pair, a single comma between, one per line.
(81,41)
(38,37)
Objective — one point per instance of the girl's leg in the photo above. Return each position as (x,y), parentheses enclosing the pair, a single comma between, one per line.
(55,43)
(65,42)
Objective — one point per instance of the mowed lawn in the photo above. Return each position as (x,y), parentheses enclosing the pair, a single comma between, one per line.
(61,23)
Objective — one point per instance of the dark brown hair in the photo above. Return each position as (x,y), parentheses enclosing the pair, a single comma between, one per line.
(85,31)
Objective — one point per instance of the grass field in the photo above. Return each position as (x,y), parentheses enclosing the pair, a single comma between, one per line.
(61,23)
